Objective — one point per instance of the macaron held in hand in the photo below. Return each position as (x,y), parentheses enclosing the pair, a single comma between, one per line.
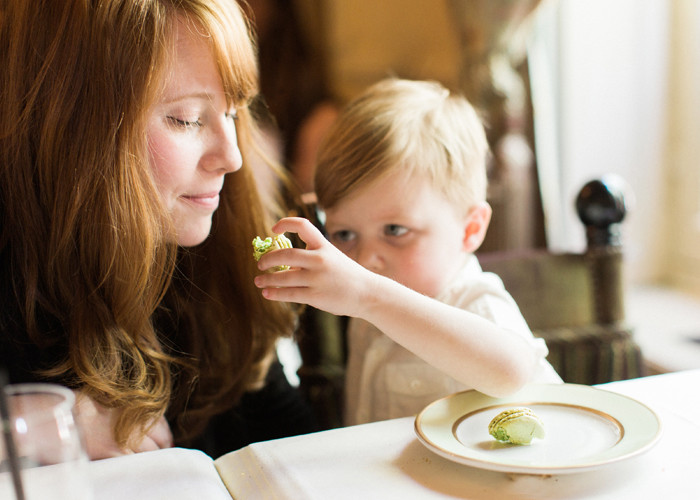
(269,244)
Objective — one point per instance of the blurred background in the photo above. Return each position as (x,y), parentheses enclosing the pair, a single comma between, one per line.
(570,90)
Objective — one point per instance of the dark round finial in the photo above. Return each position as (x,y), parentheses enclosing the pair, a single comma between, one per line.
(601,206)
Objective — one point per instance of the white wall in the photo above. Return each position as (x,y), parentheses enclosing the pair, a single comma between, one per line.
(608,60)
(683,173)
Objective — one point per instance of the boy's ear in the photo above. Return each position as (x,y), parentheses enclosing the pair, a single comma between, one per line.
(477,222)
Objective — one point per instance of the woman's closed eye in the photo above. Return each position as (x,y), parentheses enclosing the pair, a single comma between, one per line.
(184,123)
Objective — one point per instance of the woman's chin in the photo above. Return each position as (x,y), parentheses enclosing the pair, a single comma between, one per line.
(193,235)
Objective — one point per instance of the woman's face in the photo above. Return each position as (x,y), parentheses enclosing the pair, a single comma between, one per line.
(191,135)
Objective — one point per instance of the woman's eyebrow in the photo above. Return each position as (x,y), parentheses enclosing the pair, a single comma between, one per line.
(206,96)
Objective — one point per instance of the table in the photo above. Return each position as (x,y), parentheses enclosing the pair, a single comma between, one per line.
(384,460)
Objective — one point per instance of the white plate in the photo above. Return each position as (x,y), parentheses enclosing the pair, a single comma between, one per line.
(585,427)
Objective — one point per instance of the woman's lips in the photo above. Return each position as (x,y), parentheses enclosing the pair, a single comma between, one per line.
(204,200)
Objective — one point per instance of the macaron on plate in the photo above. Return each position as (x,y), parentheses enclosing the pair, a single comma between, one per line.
(584,428)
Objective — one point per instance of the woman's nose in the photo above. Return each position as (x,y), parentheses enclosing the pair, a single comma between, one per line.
(225,155)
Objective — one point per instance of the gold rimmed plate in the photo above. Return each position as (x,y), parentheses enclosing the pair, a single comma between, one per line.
(585,428)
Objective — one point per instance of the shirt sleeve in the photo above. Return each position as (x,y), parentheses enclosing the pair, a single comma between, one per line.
(484,294)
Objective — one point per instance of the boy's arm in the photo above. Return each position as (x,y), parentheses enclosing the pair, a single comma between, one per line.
(464,345)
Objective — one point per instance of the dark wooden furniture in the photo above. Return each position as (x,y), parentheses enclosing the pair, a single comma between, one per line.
(575,301)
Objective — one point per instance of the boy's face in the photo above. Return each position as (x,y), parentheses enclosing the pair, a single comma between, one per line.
(403,229)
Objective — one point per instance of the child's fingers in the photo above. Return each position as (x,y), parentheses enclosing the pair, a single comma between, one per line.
(289,278)
(302,227)
(309,295)
(288,258)
(296,295)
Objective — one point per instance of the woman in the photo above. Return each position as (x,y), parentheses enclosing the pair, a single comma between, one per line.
(127,215)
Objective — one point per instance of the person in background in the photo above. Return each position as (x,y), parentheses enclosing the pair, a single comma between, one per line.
(402,181)
(127,214)
(295,106)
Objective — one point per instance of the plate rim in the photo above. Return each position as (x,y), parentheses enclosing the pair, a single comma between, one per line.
(517,400)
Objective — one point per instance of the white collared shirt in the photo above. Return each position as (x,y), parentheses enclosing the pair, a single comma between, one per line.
(384,380)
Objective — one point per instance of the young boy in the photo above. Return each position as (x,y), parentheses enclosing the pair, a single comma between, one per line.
(402,181)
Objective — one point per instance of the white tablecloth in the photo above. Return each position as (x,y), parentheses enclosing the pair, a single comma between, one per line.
(385,460)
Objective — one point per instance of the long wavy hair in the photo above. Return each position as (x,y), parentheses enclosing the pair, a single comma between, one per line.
(138,324)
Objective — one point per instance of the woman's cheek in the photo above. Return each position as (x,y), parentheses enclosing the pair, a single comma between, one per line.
(160,150)
(165,157)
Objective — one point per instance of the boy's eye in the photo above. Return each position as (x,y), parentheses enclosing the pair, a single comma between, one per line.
(233,114)
(395,230)
(342,236)
(179,122)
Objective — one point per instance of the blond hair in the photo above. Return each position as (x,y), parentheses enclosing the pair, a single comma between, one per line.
(407,127)
(85,239)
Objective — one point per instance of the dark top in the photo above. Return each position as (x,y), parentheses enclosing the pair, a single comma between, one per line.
(277,410)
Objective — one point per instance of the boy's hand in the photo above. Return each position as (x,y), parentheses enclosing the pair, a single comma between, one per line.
(320,275)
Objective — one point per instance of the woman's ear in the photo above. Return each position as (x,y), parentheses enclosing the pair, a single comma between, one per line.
(477,222)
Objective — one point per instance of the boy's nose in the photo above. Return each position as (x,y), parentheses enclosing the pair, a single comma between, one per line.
(369,258)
